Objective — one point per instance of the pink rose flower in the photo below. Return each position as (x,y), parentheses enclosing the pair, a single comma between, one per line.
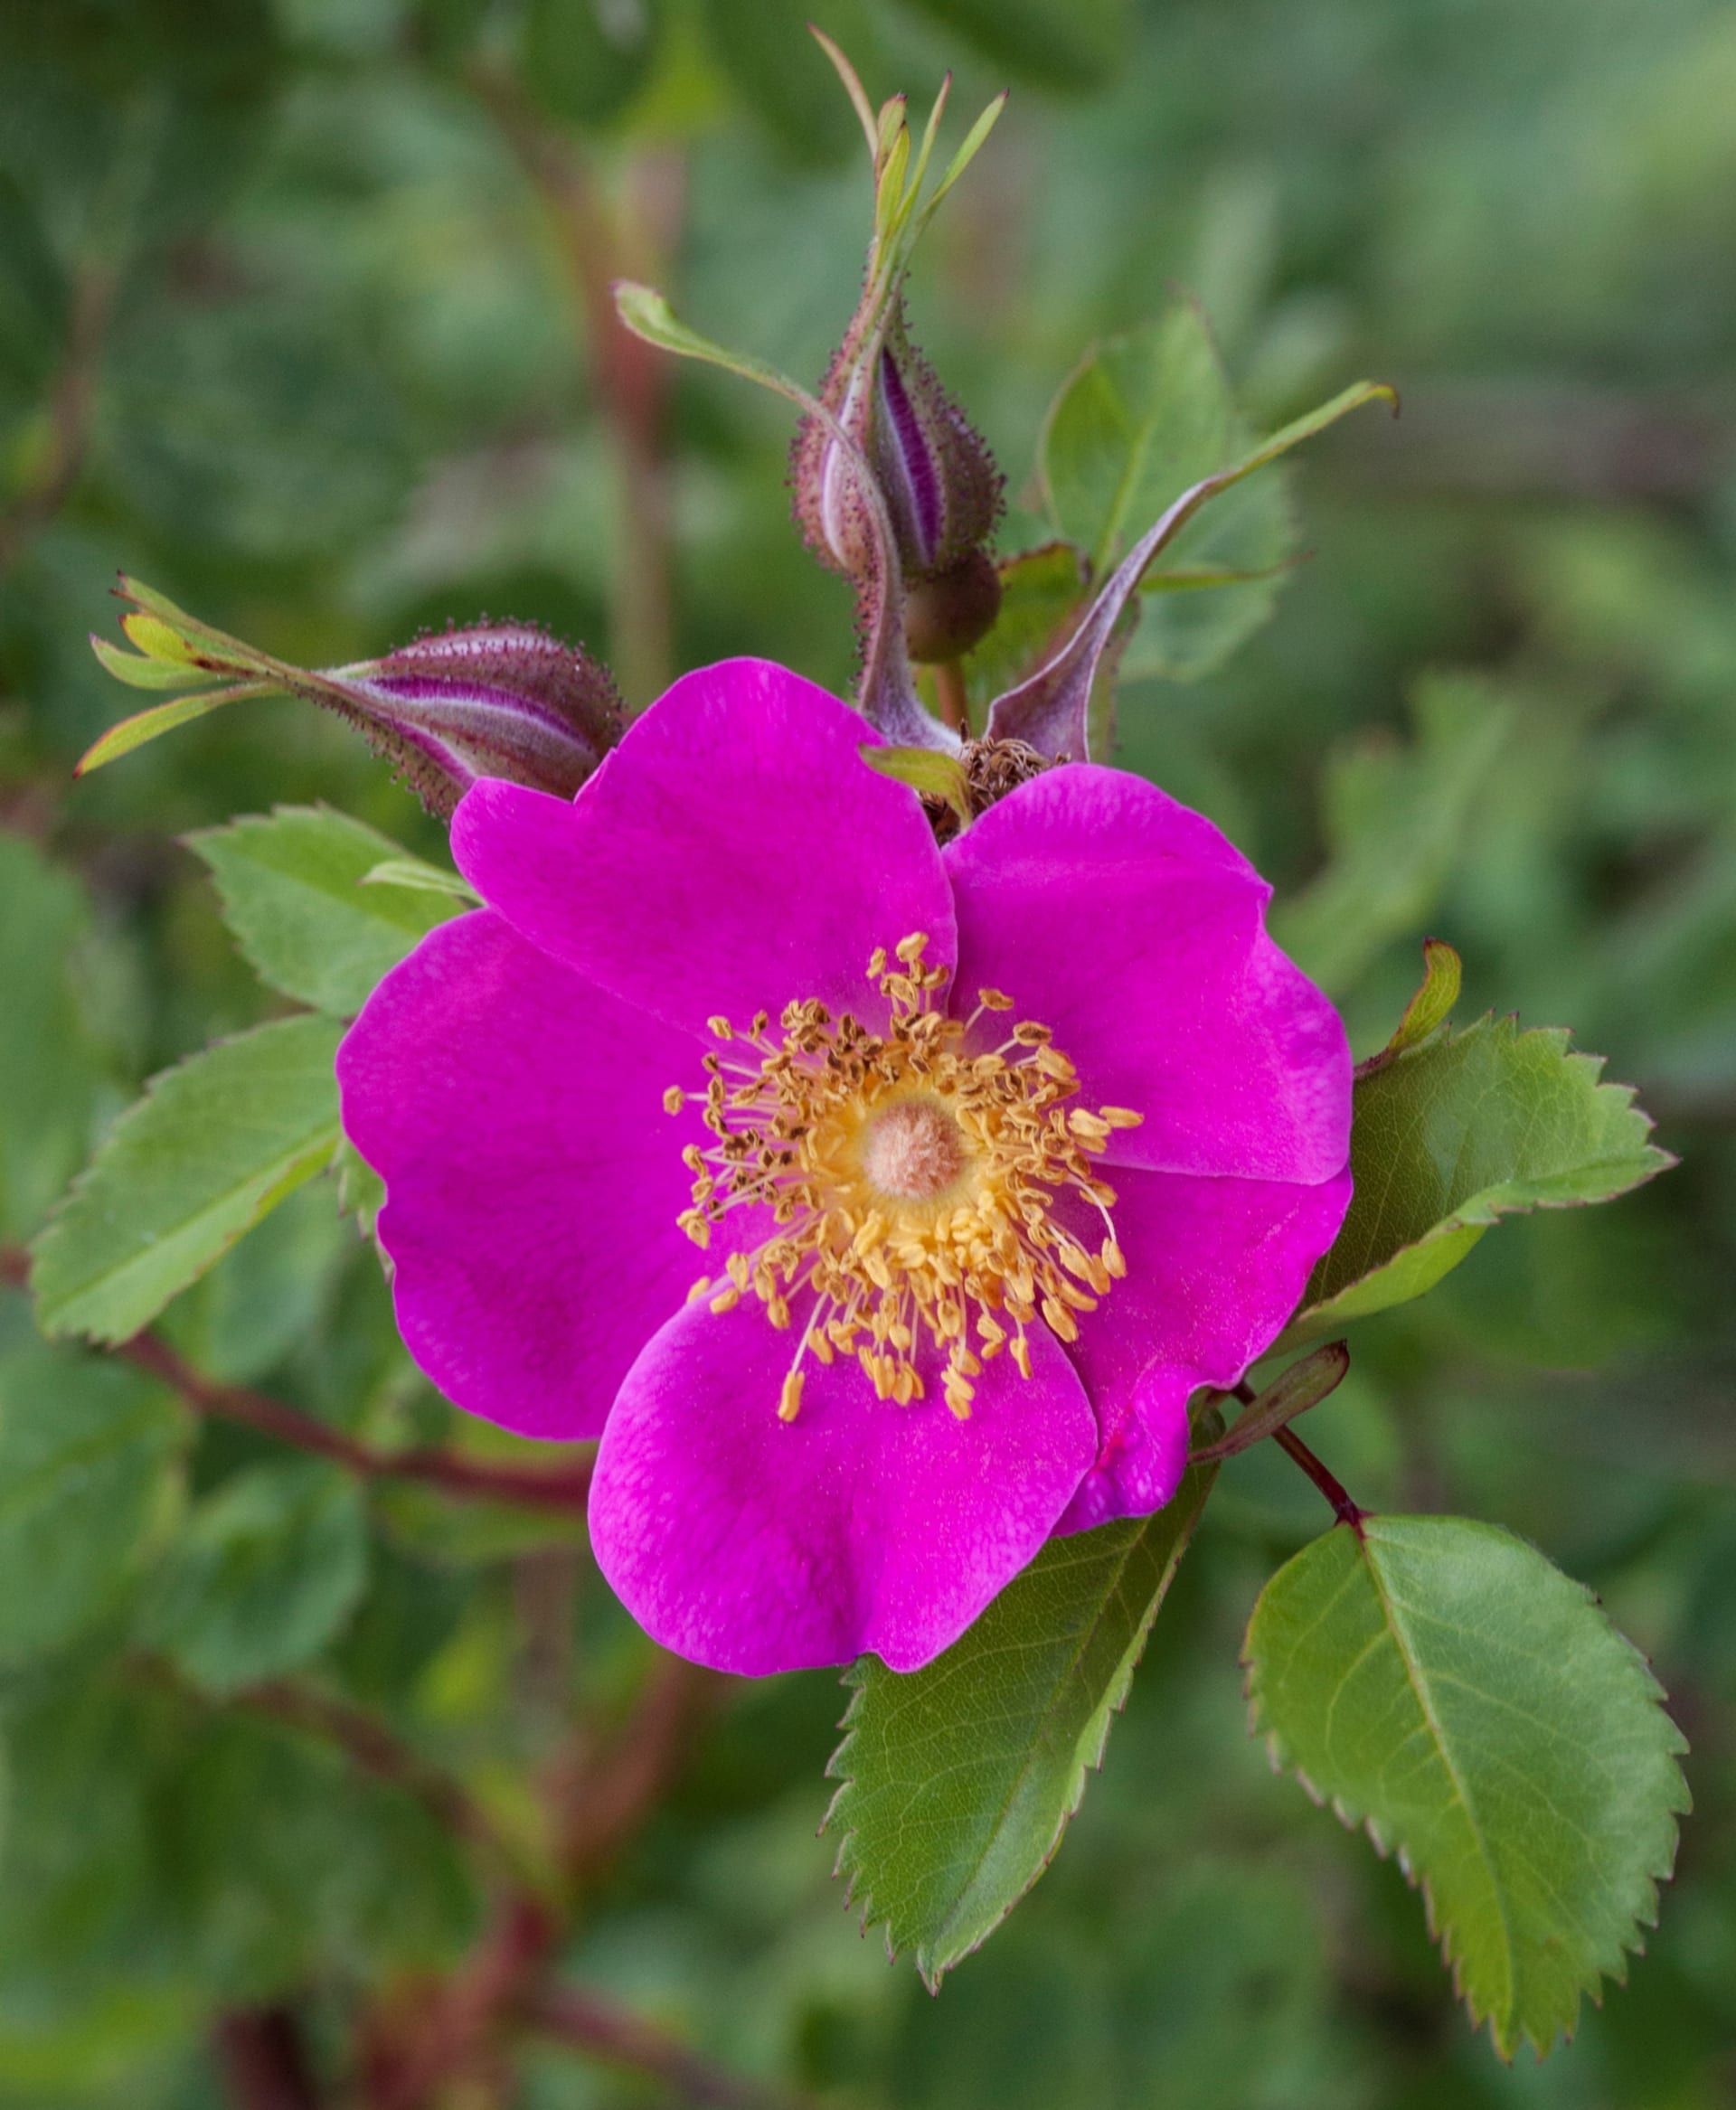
(878,1204)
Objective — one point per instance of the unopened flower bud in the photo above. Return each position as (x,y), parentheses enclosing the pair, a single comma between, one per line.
(941,489)
(495,699)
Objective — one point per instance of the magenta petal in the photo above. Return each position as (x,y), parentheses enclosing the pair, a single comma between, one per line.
(757,1545)
(1215,1269)
(733,853)
(1132,927)
(532,1176)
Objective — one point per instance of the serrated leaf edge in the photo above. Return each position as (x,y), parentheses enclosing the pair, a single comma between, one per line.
(1113,1703)
(312,1161)
(1643,1910)
(1477,1212)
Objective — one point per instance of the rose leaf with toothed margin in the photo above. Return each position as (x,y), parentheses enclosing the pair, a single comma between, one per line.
(1456,1132)
(299,892)
(1144,416)
(959,1778)
(213,1145)
(1441,1683)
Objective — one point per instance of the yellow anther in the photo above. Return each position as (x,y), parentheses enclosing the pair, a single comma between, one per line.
(720,1028)
(789,1403)
(993,999)
(674,1099)
(1121,1116)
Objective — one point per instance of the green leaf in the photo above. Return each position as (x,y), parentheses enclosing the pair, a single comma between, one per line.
(420,878)
(1054,708)
(1439,1681)
(1443,972)
(1143,417)
(213,1146)
(145,726)
(85,1450)
(137,670)
(648,314)
(50,1067)
(299,892)
(1395,818)
(1459,1131)
(270,1568)
(1043,593)
(927,772)
(959,1779)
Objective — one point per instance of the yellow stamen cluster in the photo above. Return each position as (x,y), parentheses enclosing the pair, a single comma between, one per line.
(912,1182)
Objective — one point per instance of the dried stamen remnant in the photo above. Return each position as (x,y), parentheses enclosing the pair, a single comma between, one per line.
(911,1179)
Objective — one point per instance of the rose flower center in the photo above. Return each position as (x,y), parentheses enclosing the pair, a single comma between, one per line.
(914,1150)
(912,1183)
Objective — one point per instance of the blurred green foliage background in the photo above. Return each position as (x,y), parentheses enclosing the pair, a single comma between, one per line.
(300,312)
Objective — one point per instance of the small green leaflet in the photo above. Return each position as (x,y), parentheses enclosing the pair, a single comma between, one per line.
(86,1449)
(267,1572)
(213,1145)
(1456,1132)
(1396,819)
(1443,975)
(927,772)
(1439,1681)
(299,891)
(1143,417)
(423,879)
(959,1779)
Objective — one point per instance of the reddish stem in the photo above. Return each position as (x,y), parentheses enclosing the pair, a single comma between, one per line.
(263,2061)
(1330,1485)
(1342,1507)
(608,1796)
(631,377)
(564,1487)
(602,2031)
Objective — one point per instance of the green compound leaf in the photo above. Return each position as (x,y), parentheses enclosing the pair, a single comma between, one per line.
(299,890)
(86,1485)
(1143,417)
(267,1570)
(1451,1134)
(213,1146)
(1441,1682)
(959,1779)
